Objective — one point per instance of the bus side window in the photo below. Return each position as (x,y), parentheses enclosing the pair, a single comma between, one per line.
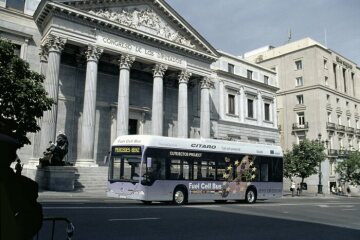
(264,172)
(220,170)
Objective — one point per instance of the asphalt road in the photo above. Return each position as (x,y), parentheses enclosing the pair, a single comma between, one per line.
(287,218)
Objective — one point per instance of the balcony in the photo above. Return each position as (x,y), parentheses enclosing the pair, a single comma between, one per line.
(357,132)
(343,153)
(332,152)
(350,130)
(299,127)
(341,128)
(330,126)
(339,153)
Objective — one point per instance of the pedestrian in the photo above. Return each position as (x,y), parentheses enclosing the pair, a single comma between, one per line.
(292,188)
(21,214)
(18,167)
(106,158)
(298,189)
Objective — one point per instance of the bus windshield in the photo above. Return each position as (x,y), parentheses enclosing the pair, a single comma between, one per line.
(125,168)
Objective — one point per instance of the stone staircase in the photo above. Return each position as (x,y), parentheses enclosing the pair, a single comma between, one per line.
(91,179)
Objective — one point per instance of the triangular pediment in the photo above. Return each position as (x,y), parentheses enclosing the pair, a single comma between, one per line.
(152,18)
(145,19)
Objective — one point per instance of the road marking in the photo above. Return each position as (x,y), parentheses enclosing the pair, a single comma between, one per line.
(86,208)
(132,219)
(323,206)
(202,206)
(63,200)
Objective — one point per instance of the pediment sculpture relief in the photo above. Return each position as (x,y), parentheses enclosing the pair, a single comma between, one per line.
(143,19)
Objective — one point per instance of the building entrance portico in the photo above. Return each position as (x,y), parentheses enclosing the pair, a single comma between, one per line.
(110,69)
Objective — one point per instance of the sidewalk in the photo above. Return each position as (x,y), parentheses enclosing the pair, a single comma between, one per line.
(79,194)
(304,194)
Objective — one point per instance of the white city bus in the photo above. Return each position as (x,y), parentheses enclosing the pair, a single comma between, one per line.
(165,169)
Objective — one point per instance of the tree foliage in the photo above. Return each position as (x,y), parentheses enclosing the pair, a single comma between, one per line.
(22,95)
(304,159)
(349,168)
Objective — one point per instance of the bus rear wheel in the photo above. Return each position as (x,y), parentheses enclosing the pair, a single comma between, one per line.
(250,196)
(180,196)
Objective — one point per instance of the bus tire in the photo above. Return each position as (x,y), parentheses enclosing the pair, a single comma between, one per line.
(250,196)
(180,196)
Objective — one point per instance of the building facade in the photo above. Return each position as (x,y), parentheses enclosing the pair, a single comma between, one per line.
(134,67)
(319,97)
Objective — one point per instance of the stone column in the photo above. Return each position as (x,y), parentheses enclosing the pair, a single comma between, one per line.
(183,104)
(122,125)
(206,84)
(55,45)
(157,101)
(89,109)
(37,152)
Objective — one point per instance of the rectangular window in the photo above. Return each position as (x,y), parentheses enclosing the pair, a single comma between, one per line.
(301,118)
(17,50)
(349,122)
(299,81)
(266,79)
(325,63)
(357,124)
(16,4)
(231,104)
(339,119)
(300,99)
(300,138)
(298,65)
(249,74)
(267,111)
(326,81)
(344,78)
(231,68)
(250,105)
(353,82)
(335,75)
(329,117)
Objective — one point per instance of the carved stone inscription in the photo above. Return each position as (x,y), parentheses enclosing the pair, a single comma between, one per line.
(139,50)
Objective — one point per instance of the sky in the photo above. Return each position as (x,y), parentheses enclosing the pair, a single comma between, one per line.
(239,26)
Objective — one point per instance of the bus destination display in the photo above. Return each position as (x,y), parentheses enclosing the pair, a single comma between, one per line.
(127,150)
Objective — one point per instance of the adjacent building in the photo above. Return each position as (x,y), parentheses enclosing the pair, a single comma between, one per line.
(319,98)
(134,67)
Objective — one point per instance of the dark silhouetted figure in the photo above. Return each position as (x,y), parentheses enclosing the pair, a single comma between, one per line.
(21,214)
(18,167)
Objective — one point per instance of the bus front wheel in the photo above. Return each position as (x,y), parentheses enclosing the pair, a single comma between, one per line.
(180,196)
(250,196)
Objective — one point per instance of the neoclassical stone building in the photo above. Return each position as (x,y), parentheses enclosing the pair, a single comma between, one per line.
(319,97)
(135,67)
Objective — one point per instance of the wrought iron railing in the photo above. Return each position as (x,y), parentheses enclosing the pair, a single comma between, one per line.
(298,126)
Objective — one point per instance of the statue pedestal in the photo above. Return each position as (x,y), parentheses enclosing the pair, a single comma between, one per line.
(56,178)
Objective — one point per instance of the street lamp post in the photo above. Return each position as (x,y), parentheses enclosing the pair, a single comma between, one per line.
(320,174)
